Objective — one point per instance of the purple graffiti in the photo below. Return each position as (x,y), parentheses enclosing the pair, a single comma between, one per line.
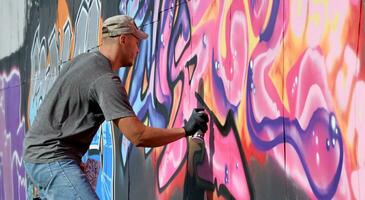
(11,138)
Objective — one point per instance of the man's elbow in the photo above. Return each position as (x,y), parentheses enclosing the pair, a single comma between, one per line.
(132,129)
(136,141)
(139,139)
(141,142)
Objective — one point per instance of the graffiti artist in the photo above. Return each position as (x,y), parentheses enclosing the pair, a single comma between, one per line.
(87,92)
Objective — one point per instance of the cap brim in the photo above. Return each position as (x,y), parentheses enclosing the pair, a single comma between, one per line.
(141,35)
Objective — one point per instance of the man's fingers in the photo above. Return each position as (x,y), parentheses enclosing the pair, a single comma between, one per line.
(204,127)
(204,116)
(199,121)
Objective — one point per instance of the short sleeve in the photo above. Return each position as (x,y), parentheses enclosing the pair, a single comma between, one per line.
(111,96)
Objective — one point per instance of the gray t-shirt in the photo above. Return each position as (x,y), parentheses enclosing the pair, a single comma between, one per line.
(86,93)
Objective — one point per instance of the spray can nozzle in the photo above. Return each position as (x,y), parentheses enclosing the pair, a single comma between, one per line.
(198,136)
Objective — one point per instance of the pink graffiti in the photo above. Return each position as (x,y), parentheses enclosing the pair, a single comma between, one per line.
(356,134)
(298,17)
(305,97)
(258,14)
(219,40)
(346,77)
(226,165)
(232,66)
(206,44)
(307,94)
(174,154)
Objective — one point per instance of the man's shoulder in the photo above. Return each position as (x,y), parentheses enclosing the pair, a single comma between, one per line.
(87,56)
(91,62)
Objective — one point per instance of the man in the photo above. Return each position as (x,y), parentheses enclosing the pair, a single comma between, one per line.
(86,93)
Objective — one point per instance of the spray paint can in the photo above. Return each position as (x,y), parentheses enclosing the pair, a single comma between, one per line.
(198,137)
(196,152)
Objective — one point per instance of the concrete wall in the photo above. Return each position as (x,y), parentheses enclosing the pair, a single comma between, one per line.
(283,81)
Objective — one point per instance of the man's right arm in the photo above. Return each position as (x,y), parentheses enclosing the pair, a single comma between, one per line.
(145,136)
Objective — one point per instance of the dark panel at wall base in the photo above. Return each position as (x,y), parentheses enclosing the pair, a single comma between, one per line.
(133,174)
(270,182)
(141,175)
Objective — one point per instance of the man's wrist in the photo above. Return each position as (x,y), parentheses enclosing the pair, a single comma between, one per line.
(186,132)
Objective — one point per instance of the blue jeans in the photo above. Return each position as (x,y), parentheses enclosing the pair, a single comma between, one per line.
(62,179)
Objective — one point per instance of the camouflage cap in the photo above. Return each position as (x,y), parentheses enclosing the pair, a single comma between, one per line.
(121,24)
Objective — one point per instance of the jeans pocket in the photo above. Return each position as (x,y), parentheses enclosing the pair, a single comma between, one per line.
(38,176)
(31,188)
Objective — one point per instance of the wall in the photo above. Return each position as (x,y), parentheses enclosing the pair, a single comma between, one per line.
(283,83)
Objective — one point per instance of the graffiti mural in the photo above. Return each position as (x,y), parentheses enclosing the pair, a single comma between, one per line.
(282,81)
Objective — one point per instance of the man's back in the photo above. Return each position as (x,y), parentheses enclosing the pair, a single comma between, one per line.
(68,117)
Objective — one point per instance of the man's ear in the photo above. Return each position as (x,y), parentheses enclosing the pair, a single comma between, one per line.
(122,39)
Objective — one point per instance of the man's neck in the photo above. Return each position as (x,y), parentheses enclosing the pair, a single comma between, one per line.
(108,52)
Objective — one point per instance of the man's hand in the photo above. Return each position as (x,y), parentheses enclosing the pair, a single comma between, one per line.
(197,121)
